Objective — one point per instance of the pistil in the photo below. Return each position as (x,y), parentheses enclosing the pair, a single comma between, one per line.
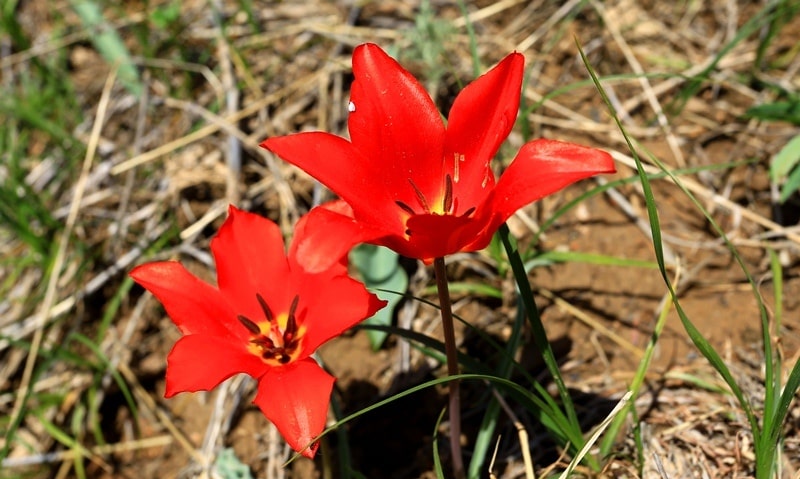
(447,201)
(420,197)
(275,343)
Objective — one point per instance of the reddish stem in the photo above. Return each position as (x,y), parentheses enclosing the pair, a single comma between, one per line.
(452,366)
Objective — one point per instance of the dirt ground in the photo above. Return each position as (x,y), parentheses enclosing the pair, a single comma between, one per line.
(290,67)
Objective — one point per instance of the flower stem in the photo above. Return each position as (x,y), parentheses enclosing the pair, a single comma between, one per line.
(452,366)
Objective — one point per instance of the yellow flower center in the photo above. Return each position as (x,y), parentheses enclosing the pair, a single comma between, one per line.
(445,204)
(277,340)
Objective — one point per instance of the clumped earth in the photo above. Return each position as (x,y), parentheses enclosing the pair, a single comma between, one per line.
(215,71)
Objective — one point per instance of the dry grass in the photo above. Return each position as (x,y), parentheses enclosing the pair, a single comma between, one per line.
(155,173)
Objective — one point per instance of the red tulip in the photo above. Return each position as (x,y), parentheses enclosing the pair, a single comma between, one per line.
(417,186)
(266,318)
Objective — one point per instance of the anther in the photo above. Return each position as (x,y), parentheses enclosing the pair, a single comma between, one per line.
(420,196)
(264,342)
(265,308)
(468,212)
(458,159)
(405,207)
(250,325)
(486,174)
(447,203)
(291,322)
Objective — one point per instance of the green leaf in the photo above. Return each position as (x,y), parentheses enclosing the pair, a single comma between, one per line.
(108,42)
(379,269)
(792,184)
(777,111)
(228,466)
(475,289)
(526,398)
(785,160)
(697,338)
(165,15)
(437,462)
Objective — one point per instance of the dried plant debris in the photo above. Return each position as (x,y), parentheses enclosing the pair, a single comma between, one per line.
(109,163)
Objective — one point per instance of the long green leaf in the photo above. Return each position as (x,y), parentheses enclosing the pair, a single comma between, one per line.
(380,271)
(516,391)
(109,44)
(572,427)
(751,26)
(764,458)
(541,404)
(791,186)
(785,160)
(437,462)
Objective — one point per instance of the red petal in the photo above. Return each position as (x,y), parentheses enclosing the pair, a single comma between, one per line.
(296,399)
(250,256)
(543,167)
(394,123)
(435,236)
(193,305)
(325,235)
(335,304)
(332,160)
(199,362)
(481,118)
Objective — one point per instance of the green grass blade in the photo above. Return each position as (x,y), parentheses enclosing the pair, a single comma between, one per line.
(472,289)
(107,367)
(61,436)
(697,338)
(516,391)
(786,398)
(437,462)
(621,405)
(484,439)
(791,186)
(573,429)
(10,24)
(541,404)
(785,160)
(112,308)
(777,111)
(343,442)
(785,10)
(636,384)
(550,257)
(753,25)
(109,44)
(477,69)
(549,222)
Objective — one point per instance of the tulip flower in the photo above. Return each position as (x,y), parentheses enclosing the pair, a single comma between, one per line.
(425,188)
(419,186)
(265,318)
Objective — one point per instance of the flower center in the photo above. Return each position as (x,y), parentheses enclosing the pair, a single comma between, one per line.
(448,202)
(276,339)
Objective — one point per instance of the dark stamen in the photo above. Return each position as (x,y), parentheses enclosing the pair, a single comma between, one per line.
(448,194)
(250,325)
(265,307)
(270,353)
(264,342)
(468,212)
(420,196)
(405,207)
(291,322)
